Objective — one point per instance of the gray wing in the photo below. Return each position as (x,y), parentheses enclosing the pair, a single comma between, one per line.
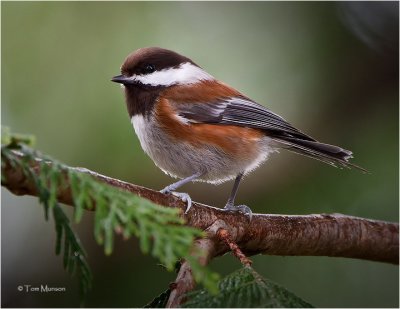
(239,111)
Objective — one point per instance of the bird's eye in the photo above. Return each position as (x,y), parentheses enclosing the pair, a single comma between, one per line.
(149,68)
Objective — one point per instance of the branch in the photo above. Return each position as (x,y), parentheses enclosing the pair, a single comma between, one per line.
(224,235)
(185,281)
(318,235)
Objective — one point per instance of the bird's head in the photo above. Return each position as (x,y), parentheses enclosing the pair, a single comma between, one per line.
(156,67)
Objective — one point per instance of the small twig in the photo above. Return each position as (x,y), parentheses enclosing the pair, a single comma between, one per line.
(224,236)
(184,281)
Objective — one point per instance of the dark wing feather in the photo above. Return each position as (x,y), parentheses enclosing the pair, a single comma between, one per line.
(250,114)
(241,111)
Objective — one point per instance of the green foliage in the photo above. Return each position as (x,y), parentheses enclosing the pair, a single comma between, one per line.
(74,254)
(246,288)
(202,274)
(160,229)
(13,139)
(47,181)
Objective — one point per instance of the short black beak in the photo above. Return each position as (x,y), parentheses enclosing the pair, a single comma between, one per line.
(121,79)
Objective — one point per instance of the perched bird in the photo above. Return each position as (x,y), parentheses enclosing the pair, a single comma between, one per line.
(196,128)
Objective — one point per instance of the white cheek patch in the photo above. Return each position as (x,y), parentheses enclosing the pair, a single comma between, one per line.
(185,74)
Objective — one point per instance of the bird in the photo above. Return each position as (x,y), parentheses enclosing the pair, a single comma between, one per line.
(197,128)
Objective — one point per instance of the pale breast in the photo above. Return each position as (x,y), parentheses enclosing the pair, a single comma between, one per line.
(181,159)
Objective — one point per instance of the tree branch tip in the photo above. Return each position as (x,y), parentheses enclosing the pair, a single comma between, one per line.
(224,235)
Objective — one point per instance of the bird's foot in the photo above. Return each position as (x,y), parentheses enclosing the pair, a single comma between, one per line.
(183,196)
(239,208)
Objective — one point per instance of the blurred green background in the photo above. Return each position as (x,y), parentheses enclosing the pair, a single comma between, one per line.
(329,68)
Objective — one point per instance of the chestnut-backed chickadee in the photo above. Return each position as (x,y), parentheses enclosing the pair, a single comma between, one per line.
(196,128)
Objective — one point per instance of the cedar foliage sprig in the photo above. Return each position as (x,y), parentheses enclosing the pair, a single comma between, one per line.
(244,288)
(47,181)
(160,229)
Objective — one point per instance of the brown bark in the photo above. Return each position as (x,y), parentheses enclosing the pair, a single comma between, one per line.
(319,235)
(225,237)
(185,281)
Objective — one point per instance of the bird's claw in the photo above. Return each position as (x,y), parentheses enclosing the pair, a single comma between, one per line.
(183,196)
(240,208)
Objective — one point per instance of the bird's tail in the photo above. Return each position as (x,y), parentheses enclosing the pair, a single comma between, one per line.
(329,154)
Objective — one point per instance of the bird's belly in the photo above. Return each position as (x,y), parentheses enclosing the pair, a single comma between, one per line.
(182,159)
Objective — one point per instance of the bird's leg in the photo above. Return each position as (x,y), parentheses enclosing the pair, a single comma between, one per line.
(230,205)
(183,196)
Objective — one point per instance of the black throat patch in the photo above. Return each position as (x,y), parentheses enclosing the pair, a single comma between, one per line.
(140,99)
